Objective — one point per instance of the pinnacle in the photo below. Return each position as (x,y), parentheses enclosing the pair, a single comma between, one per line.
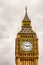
(26,18)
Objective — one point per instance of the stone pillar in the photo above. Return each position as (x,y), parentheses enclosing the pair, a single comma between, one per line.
(32,62)
(19,62)
(28,62)
(36,61)
(24,62)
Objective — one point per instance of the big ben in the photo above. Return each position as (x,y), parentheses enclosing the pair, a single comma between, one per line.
(26,45)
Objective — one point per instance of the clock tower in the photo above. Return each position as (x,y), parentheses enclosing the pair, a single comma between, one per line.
(26,45)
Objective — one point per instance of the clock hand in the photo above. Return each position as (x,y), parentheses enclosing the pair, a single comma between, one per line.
(27,45)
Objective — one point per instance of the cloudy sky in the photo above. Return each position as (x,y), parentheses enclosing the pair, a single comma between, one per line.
(11,15)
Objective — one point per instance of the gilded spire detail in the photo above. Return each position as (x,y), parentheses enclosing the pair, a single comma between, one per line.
(26,18)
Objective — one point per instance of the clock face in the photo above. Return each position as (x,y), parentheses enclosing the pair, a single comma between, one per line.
(27,46)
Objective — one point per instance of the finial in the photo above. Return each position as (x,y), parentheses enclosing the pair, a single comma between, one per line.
(26,9)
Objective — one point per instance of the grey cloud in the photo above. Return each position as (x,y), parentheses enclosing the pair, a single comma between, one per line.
(3,32)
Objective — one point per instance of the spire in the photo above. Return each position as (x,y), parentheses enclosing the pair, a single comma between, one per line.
(26,22)
(26,18)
